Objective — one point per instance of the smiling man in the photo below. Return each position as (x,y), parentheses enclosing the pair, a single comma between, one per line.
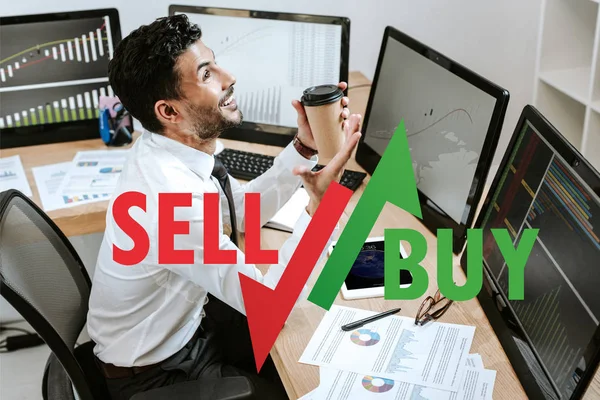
(156,325)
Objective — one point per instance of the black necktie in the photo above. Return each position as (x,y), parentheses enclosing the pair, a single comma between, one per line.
(220,172)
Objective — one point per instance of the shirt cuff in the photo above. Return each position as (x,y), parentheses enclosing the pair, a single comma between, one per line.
(290,158)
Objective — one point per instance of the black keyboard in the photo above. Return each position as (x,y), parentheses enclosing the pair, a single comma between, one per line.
(247,166)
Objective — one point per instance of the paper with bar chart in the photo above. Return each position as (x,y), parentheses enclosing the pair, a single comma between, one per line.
(392,348)
(48,179)
(94,173)
(273,61)
(56,72)
(12,175)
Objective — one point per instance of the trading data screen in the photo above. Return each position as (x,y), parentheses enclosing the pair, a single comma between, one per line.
(53,71)
(273,61)
(446,118)
(561,309)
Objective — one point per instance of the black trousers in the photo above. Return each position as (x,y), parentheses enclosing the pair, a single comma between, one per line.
(221,348)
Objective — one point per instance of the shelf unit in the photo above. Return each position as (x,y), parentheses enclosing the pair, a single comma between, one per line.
(567,81)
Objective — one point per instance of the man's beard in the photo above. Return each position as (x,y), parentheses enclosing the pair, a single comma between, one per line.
(209,123)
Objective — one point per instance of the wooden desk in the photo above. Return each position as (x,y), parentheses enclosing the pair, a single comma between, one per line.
(298,378)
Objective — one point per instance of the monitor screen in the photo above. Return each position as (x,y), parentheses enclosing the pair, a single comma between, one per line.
(545,185)
(273,57)
(446,120)
(53,68)
(452,118)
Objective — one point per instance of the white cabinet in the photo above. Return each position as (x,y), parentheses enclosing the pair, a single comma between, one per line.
(567,83)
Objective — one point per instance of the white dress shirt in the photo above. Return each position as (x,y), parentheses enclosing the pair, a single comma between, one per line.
(142,314)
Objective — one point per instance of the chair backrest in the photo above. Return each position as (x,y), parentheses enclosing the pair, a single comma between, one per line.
(44,279)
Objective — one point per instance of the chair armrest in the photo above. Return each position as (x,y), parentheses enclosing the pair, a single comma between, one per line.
(230,388)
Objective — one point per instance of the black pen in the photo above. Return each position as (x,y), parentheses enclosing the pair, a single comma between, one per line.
(359,323)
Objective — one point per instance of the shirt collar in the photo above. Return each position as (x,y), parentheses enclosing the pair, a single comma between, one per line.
(198,161)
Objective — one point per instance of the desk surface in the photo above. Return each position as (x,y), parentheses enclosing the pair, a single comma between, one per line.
(298,378)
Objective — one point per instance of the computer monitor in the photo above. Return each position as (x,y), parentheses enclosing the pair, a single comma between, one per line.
(453,119)
(53,69)
(274,57)
(551,337)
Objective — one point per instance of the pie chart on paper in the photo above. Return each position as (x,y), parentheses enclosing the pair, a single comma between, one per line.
(377,385)
(365,337)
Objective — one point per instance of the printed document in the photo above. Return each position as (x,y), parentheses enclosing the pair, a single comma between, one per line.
(475,361)
(12,175)
(93,172)
(392,348)
(477,384)
(48,179)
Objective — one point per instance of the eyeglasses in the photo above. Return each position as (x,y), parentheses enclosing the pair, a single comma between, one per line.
(424,316)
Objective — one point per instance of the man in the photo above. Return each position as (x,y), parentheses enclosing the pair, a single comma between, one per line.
(153,324)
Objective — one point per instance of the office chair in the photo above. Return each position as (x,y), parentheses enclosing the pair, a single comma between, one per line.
(43,278)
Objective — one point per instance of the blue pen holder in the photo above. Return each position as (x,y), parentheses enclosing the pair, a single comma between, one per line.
(115,122)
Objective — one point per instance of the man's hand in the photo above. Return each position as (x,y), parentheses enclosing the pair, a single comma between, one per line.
(316,183)
(304,133)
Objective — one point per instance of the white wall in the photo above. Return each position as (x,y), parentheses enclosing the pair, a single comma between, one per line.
(495,38)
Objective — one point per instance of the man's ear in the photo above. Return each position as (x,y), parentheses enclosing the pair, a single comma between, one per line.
(167,113)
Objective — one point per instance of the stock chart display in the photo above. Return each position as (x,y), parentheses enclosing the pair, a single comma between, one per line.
(561,309)
(53,71)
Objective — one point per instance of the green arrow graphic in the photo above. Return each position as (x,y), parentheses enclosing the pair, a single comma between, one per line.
(393,181)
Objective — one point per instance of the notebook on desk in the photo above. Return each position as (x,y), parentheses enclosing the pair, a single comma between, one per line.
(286,217)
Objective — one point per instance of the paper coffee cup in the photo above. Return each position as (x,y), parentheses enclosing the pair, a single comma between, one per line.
(323,106)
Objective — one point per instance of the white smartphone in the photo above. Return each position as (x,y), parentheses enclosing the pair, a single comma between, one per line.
(365,278)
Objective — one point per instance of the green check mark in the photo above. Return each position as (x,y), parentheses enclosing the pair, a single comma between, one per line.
(393,181)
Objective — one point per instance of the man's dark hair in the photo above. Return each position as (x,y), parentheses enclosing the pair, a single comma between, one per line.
(142,70)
